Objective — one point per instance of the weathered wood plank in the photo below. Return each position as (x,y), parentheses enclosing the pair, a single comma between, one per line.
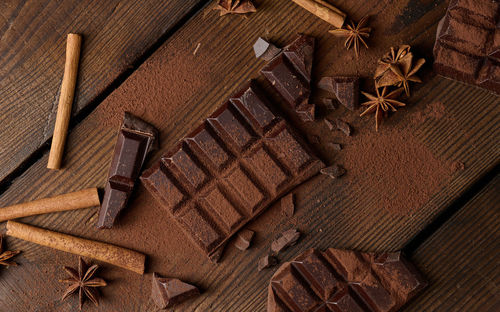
(32,46)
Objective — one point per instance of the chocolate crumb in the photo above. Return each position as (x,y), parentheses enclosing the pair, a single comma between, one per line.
(288,205)
(343,126)
(284,240)
(265,50)
(266,262)
(335,171)
(457,166)
(243,239)
(167,292)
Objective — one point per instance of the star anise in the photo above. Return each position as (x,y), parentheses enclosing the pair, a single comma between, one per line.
(235,7)
(354,34)
(382,103)
(392,57)
(83,281)
(6,255)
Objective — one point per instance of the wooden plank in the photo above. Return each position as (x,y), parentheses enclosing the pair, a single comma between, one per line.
(32,46)
(330,213)
(461,258)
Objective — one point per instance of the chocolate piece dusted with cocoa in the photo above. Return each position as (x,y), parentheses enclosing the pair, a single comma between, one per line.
(329,105)
(346,89)
(467,44)
(290,75)
(343,126)
(167,292)
(285,240)
(288,205)
(230,169)
(136,138)
(265,50)
(335,146)
(243,239)
(335,171)
(329,124)
(266,262)
(344,280)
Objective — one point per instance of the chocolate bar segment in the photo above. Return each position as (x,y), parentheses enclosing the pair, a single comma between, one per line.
(344,281)
(290,75)
(226,172)
(467,44)
(136,139)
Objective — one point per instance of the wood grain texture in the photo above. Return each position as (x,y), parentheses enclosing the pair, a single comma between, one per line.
(329,213)
(32,46)
(461,258)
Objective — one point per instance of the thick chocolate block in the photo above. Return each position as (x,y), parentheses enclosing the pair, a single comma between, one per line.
(468,43)
(136,139)
(290,74)
(344,281)
(226,172)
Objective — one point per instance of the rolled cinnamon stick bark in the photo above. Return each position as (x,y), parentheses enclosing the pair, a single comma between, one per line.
(324,10)
(71,201)
(121,257)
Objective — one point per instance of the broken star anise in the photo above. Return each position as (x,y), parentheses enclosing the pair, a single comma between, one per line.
(382,103)
(392,57)
(235,7)
(354,34)
(83,281)
(6,255)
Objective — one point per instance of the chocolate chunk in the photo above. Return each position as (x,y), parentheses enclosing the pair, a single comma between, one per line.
(136,139)
(329,104)
(335,146)
(343,126)
(243,239)
(288,205)
(266,262)
(290,75)
(230,169)
(335,171)
(265,50)
(167,292)
(346,89)
(344,280)
(329,124)
(467,44)
(216,256)
(284,240)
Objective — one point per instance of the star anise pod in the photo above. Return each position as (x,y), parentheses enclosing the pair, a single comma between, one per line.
(392,57)
(382,103)
(235,7)
(6,255)
(83,281)
(354,34)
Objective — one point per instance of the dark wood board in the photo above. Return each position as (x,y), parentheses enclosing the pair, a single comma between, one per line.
(329,212)
(32,49)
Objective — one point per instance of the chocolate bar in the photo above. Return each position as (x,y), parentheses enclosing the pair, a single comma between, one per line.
(232,167)
(467,44)
(344,281)
(136,139)
(290,75)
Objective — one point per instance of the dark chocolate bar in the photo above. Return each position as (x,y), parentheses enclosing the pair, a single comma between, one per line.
(344,281)
(231,168)
(136,139)
(290,75)
(467,44)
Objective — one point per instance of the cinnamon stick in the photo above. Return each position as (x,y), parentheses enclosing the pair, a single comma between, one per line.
(71,201)
(121,257)
(68,84)
(324,10)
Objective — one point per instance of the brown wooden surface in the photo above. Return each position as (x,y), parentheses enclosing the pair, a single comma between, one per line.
(32,48)
(331,214)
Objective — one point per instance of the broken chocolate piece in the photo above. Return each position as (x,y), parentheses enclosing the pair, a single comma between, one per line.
(167,292)
(335,171)
(290,75)
(346,89)
(243,239)
(344,280)
(216,256)
(335,146)
(329,124)
(230,169)
(329,104)
(266,262)
(265,50)
(467,44)
(288,205)
(136,139)
(284,240)
(343,126)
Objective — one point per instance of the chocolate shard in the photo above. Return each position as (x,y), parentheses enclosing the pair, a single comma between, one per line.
(343,126)
(216,256)
(167,292)
(136,139)
(346,89)
(467,44)
(335,146)
(265,50)
(285,240)
(243,239)
(344,280)
(290,74)
(329,124)
(288,205)
(334,172)
(266,262)
(230,169)
(329,104)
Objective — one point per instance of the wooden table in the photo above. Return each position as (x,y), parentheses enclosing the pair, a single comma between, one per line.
(453,238)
